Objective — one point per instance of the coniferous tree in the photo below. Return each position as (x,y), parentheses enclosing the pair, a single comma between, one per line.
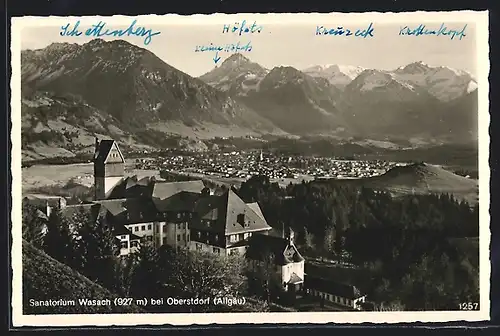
(58,242)
(145,277)
(99,250)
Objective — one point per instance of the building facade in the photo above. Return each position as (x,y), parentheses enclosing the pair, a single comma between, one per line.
(280,257)
(182,215)
(345,295)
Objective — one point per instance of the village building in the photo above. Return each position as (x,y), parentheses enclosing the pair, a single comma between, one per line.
(45,203)
(337,293)
(280,257)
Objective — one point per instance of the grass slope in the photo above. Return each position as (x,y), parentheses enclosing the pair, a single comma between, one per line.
(44,278)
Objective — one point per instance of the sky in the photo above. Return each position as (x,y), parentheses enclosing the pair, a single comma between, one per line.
(294,45)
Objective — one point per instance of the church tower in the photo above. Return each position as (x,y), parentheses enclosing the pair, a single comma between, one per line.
(109,167)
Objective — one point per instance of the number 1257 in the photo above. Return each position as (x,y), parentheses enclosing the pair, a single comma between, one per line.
(469,306)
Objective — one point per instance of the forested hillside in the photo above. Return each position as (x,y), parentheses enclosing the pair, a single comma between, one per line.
(419,250)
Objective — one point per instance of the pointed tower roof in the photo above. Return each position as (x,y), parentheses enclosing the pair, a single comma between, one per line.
(103,148)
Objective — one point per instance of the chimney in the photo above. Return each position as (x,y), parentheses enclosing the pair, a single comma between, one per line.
(241,219)
(288,234)
(96,144)
(291,236)
(205,191)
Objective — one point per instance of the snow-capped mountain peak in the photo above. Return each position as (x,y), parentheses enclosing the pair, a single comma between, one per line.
(338,75)
(443,82)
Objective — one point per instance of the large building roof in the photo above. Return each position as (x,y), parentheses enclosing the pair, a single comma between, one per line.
(228,214)
(163,190)
(146,200)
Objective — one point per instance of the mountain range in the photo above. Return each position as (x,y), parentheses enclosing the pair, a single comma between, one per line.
(72,92)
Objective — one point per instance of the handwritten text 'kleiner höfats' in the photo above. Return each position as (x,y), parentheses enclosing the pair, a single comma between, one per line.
(342,31)
(229,47)
(422,29)
(99,30)
(242,28)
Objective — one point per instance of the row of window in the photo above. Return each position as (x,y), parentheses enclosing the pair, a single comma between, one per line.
(238,237)
(179,215)
(133,243)
(334,298)
(232,238)
(215,250)
(143,227)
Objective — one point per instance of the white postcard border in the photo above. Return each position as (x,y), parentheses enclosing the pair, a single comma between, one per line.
(482,35)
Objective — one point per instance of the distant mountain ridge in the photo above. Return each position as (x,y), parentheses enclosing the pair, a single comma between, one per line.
(443,82)
(131,89)
(424,103)
(114,89)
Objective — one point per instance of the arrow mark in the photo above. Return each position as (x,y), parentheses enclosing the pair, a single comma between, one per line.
(216,57)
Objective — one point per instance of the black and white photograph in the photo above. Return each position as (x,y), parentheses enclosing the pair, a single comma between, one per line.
(167,168)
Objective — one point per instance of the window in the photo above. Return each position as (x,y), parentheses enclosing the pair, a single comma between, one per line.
(216,250)
(136,228)
(128,216)
(164,240)
(184,236)
(208,223)
(149,226)
(149,238)
(187,237)
(164,228)
(199,247)
(178,215)
(124,245)
(123,237)
(199,234)
(190,215)
(164,215)
(217,238)
(178,237)
(232,238)
(143,228)
(134,243)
